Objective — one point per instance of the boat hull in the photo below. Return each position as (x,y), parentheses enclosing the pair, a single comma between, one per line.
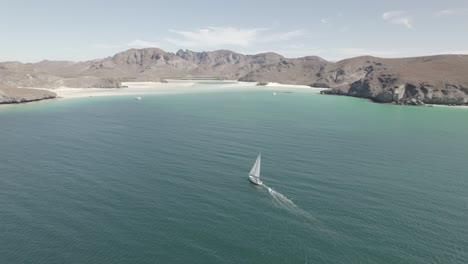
(255,180)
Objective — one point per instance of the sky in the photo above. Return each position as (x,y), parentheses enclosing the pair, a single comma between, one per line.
(32,31)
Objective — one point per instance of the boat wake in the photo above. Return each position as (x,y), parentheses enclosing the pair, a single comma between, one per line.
(286,203)
(281,199)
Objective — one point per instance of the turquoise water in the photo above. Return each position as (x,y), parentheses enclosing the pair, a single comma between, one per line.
(164,180)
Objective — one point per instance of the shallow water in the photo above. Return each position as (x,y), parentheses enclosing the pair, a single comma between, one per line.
(164,180)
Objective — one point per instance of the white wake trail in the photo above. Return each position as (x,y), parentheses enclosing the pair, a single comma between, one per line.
(286,203)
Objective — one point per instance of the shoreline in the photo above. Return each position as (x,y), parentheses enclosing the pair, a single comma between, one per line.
(375,102)
(149,88)
(138,89)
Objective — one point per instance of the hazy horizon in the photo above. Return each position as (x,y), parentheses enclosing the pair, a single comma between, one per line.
(85,30)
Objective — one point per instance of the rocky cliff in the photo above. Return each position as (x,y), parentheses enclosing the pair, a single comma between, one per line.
(425,80)
(434,79)
(9,95)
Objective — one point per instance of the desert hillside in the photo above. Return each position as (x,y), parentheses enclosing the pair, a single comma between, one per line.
(439,79)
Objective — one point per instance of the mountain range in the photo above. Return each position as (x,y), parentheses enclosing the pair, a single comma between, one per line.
(440,79)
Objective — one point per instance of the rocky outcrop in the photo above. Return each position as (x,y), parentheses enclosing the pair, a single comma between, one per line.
(424,80)
(320,85)
(412,81)
(9,95)
(406,94)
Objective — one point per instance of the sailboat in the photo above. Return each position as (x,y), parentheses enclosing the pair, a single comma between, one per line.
(254,174)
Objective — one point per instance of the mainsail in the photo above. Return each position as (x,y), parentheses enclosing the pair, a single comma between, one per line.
(255,171)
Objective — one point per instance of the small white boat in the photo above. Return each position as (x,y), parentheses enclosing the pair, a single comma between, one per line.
(274,93)
(138,98)
(254,175)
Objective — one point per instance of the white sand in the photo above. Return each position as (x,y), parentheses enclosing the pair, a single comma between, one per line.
(141,88)
(289,85)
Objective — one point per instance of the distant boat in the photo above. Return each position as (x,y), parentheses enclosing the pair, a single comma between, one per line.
(274,93)
(138,98)
(254,175)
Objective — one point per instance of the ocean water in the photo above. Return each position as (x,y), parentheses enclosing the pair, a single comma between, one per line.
(164,180)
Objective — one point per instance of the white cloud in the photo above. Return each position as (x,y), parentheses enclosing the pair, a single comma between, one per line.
(398,18)
(142,44)
(215,36)
(451,12)
(446,12)
(332,19)
(228,36)
(345,28)
(392,14)
(282,36)
(455,52)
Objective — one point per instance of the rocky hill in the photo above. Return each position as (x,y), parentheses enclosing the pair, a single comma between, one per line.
(439,79)
(434,79)
(9,95)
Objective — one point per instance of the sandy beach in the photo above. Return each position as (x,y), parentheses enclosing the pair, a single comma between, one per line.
(135,89)
(142,88)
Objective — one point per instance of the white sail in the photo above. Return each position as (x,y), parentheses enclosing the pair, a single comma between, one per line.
(255,171)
